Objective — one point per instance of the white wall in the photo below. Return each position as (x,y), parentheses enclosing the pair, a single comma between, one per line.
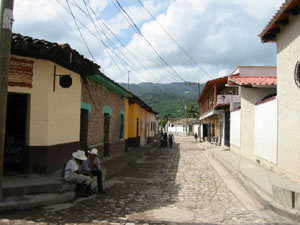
(221,132)
(250,96)
(235,128)
(288,95)
(265,131)
(201,131)
(195,129)
(255,70)
(177,128)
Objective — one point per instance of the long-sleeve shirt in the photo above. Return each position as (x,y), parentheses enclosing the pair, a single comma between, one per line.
(71,167)
(87,165)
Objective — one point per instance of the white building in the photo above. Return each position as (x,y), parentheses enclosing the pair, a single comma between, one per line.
(283,29)
(187,126)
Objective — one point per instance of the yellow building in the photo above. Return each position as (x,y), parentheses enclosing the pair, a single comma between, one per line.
(43,110)
(134,124)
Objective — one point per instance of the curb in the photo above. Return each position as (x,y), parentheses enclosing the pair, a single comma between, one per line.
(255,191)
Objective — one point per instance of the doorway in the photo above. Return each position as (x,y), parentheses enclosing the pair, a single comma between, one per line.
(84,120)
(106,134)
(227,129)
(16,134)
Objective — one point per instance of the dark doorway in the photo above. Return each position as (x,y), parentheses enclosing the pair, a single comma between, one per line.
(205,132)
(190,130)
(84,129)
(106,134)
(15,152)
(138,142)
(137,127)
(227,129)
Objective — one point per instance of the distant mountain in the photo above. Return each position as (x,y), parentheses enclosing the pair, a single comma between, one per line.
(166,98)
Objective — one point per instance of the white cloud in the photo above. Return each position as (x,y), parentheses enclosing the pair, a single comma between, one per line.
(218,34)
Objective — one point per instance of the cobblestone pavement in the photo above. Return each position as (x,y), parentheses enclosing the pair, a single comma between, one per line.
(166,186)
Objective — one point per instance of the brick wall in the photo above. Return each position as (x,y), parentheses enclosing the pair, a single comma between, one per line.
(95,129)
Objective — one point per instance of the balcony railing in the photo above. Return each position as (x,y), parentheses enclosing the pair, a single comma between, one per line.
(227,99)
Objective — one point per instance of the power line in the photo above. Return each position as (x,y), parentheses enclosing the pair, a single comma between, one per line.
(80,31)
(75,19)
(120,42)
(173,39)
(102,41)
(146,40)
(122,10)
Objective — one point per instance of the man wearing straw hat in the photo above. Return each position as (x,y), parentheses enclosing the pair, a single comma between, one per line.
(74,174)
(92,165)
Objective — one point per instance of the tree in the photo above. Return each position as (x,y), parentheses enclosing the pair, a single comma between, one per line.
(165,119)
(192,111)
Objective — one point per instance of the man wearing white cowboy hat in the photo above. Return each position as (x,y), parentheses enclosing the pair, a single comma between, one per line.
(74,174)
(92,165)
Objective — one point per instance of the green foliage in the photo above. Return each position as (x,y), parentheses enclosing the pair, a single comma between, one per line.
(168,100)
(193,111)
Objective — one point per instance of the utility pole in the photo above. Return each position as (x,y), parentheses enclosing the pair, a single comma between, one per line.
(6,21)
(194,83)
(198,84)
(128,79)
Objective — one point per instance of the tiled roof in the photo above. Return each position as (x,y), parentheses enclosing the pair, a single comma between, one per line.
(62,54)
(65,56)
(253,80)
(183,120)
(289,7)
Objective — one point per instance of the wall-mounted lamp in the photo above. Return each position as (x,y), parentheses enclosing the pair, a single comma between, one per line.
(65,80)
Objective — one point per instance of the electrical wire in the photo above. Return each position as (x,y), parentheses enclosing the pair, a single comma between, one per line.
(173,39)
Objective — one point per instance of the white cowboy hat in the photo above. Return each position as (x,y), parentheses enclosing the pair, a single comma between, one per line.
(93,151)
(79,155)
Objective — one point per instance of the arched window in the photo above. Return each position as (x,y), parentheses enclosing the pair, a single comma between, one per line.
(107,109)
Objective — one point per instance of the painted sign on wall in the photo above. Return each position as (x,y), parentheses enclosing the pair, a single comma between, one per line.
(20,72)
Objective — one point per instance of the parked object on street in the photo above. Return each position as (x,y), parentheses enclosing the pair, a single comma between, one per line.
(73,174)
(92,165)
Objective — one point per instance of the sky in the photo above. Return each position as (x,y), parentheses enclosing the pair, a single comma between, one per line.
(175,40)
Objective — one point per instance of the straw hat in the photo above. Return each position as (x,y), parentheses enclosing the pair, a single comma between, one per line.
(79,155)
(93,151)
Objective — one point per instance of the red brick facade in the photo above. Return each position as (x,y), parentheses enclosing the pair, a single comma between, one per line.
(93,134)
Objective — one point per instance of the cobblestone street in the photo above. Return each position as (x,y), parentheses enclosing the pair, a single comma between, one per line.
(167,186)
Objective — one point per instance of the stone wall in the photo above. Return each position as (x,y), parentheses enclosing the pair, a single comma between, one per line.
(99,98)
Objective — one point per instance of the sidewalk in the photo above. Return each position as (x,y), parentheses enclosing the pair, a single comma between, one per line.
(272,190)
(31,191)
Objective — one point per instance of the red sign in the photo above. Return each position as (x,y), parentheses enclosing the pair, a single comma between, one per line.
(20,72)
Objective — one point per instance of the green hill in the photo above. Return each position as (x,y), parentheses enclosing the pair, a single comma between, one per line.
(166,98)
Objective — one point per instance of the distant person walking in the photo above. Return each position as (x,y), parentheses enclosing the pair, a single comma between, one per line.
(196,137)
(171,138)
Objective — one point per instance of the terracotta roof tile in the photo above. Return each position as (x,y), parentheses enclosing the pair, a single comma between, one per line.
(253,80)
(281,13)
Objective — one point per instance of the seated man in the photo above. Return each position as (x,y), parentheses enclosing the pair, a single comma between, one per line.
(92,165)
(74,174)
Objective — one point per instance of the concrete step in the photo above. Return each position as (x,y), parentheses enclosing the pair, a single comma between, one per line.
(35,185)
(34,201)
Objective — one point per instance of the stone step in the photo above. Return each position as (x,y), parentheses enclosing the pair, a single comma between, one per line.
(31,186)
(36,200)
